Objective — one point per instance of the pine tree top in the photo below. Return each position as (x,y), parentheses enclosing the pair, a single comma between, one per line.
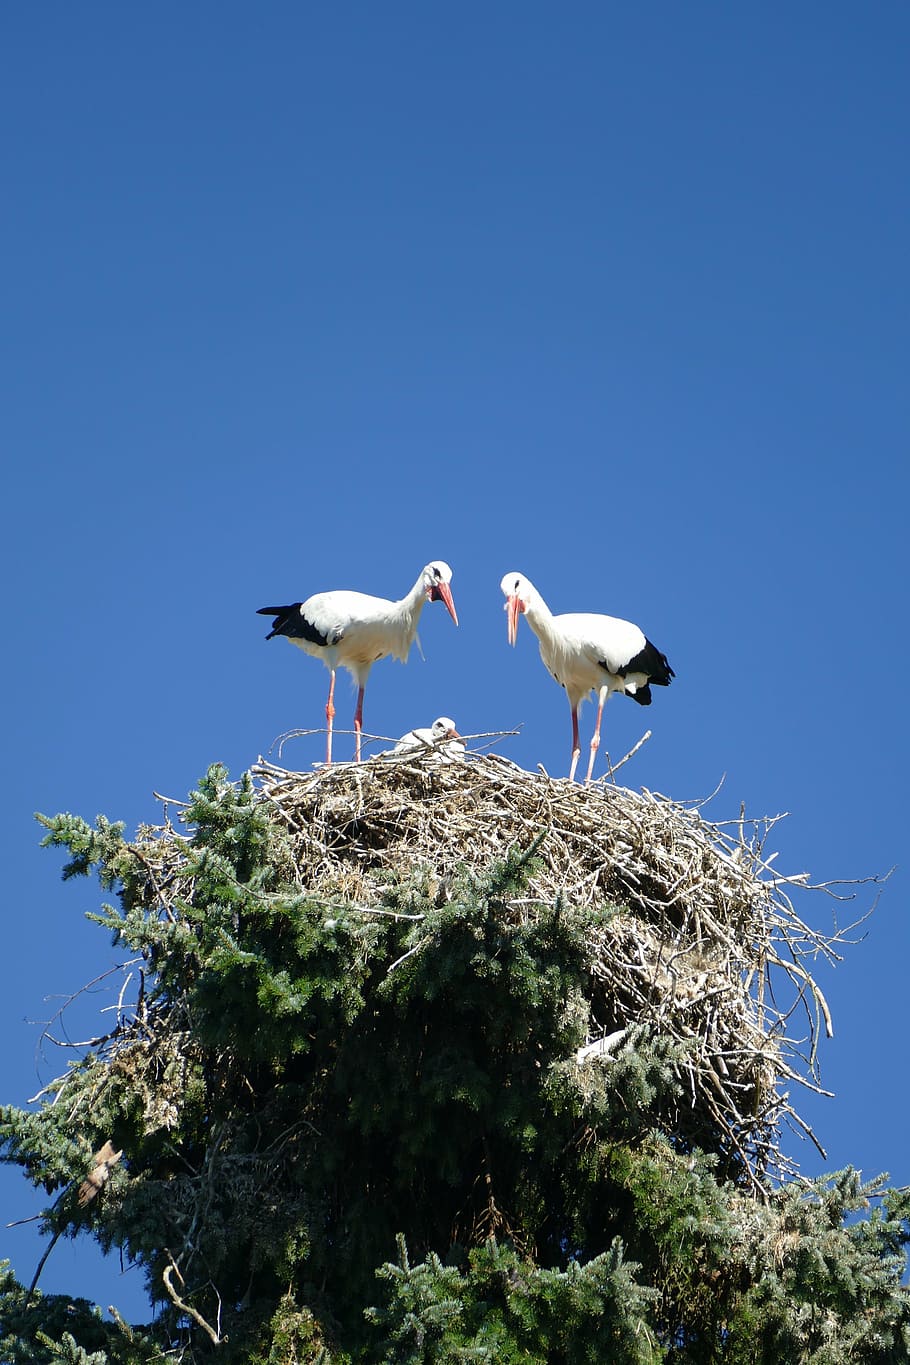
(701,942)
(533,1034)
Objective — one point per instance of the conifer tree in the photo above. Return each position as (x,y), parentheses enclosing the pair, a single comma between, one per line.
(353,1118)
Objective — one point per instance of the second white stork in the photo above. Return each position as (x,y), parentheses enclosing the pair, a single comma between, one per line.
(352,630)
(586,653)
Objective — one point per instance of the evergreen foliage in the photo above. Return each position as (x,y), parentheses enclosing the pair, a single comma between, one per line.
(360,1134)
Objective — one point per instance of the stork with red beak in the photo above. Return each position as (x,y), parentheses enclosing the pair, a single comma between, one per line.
(352,630)
(440,738)
(587,653)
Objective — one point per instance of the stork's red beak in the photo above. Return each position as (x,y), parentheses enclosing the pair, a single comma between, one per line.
(441,592)
(514,607)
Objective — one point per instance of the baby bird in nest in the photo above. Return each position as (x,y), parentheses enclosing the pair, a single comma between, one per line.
(441,738)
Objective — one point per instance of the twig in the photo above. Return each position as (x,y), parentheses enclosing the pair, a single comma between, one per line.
(404,956)
(41,1264)
(615,767)
(213,1334)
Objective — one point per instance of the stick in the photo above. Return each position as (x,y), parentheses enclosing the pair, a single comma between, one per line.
(191,1312)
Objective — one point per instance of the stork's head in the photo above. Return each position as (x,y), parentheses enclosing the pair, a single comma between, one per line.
(436,579)
(518,592)
(444,728)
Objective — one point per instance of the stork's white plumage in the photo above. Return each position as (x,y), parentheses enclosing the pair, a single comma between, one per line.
(352,630)
(441,737)
(586,653)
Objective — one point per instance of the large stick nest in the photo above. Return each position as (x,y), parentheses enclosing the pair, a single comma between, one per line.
(705,948)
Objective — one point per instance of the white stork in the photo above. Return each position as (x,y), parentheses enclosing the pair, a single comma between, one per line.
(587,653)
(352,630)
(441,737)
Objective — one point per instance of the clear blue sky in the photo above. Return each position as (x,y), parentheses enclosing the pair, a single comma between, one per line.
(298,297)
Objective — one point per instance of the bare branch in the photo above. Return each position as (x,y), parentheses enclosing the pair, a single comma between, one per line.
(214,1334)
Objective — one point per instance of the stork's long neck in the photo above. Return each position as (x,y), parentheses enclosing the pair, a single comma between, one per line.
(407,614)
(412,605)
(540,618)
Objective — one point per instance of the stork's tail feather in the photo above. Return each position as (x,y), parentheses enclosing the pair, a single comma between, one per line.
(662,678)
(654,665)
(284,617)
(291,622)
(642,694)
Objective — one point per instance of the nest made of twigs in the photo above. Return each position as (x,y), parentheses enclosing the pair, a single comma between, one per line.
(706,946)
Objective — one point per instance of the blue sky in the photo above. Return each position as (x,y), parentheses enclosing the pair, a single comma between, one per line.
(299,297)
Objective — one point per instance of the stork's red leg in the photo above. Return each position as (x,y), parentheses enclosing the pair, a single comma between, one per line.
(595,738)
(358,725)
(576,747)
(329,715)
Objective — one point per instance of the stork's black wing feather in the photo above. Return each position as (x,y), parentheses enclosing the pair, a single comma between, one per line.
(291,622)
(653,664)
